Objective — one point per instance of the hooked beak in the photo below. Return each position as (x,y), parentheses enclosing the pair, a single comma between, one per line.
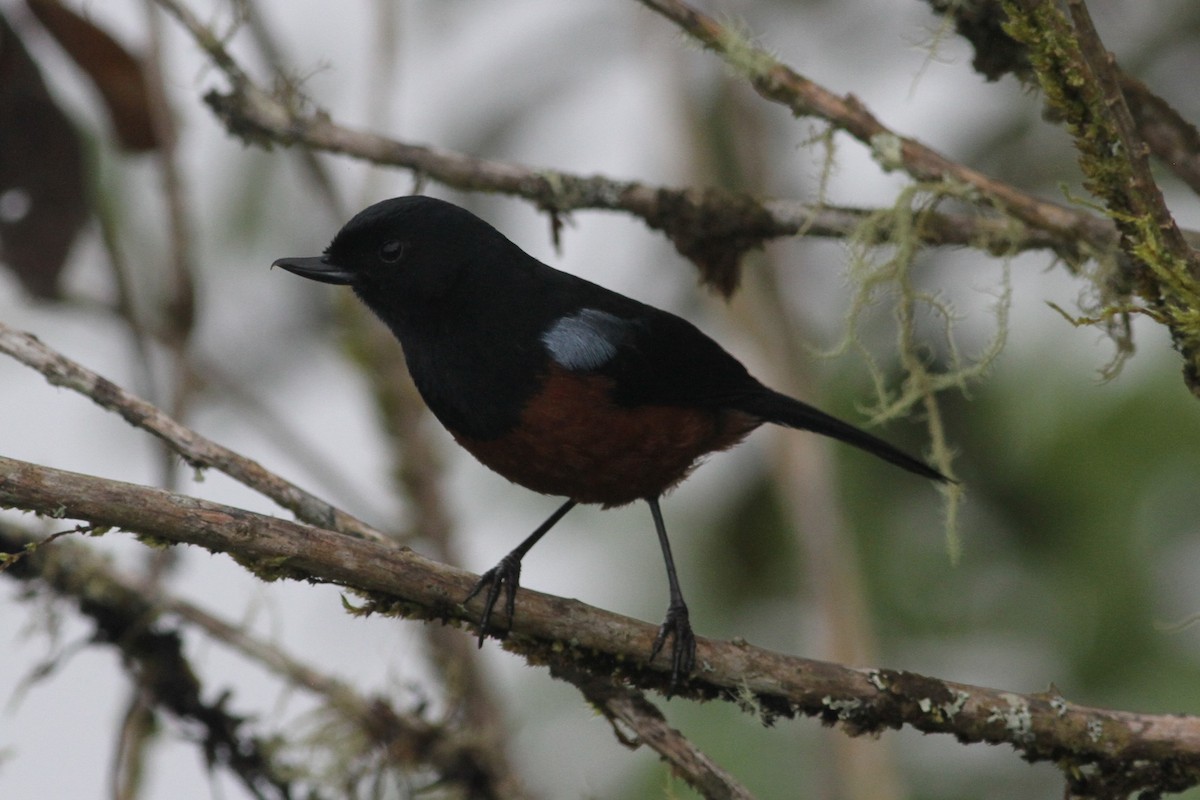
(317,269)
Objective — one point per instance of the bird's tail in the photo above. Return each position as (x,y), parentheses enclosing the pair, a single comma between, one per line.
(771,406)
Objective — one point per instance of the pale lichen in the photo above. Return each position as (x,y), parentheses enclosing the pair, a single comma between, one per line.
(887,273)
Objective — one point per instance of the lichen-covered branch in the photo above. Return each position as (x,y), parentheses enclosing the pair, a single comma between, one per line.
(1096,748)
(1080,80)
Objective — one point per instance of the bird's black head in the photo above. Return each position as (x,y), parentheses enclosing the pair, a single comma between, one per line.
(403,253)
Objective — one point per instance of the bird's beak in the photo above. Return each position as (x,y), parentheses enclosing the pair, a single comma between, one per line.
(317,269)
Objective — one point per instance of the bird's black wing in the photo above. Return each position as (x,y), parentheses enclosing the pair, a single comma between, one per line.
(652,356)
(656,358)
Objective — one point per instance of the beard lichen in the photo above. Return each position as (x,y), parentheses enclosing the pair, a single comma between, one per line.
(885,273)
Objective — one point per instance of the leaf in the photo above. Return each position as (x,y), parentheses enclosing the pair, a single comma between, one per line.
(119,76)
(43,199)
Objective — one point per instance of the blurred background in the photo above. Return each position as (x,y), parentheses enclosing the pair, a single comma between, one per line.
(1079,532)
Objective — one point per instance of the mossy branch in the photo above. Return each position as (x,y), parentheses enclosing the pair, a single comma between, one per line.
(1081,82)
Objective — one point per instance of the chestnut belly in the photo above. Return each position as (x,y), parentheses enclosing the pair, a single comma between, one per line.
(573,441)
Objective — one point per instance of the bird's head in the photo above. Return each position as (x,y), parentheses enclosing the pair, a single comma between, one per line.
(404,252)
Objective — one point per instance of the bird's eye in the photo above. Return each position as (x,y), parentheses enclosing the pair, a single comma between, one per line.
(391,251)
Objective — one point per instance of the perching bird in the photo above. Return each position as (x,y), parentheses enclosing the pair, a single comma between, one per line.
(556,383)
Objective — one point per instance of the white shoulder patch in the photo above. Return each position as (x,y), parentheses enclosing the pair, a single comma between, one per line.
(587,339)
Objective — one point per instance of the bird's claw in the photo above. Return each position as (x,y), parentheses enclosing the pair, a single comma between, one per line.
(678,629)
(506,577)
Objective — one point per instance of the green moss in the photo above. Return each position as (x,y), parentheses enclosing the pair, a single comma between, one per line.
(272,569)
(1157,271)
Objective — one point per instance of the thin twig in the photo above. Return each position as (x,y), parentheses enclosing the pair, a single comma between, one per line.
(272,52)
(1173,140)
(629,707)
(195,449)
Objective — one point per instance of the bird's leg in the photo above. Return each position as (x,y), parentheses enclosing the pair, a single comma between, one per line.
(506,575)
(676,625)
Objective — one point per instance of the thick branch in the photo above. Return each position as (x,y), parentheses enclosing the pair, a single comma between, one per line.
(1094,746)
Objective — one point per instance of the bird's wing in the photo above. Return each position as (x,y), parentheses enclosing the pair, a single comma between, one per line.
(652,356)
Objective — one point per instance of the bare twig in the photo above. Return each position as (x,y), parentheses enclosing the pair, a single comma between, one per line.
(1095,747)
(1173,140)
(629,707)
(179,306)
(197,450)
(272,52)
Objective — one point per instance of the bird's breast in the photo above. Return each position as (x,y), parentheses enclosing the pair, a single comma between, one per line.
(572,440)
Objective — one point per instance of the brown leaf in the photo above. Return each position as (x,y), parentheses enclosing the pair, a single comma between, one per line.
(43,198)
(118,75)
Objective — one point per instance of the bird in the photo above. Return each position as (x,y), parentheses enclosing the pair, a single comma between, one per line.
(556,383)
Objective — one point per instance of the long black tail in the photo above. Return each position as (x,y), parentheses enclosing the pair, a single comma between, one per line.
(772,406)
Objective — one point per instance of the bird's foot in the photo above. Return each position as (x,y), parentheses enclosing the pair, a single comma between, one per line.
(678,629)
(506,577)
